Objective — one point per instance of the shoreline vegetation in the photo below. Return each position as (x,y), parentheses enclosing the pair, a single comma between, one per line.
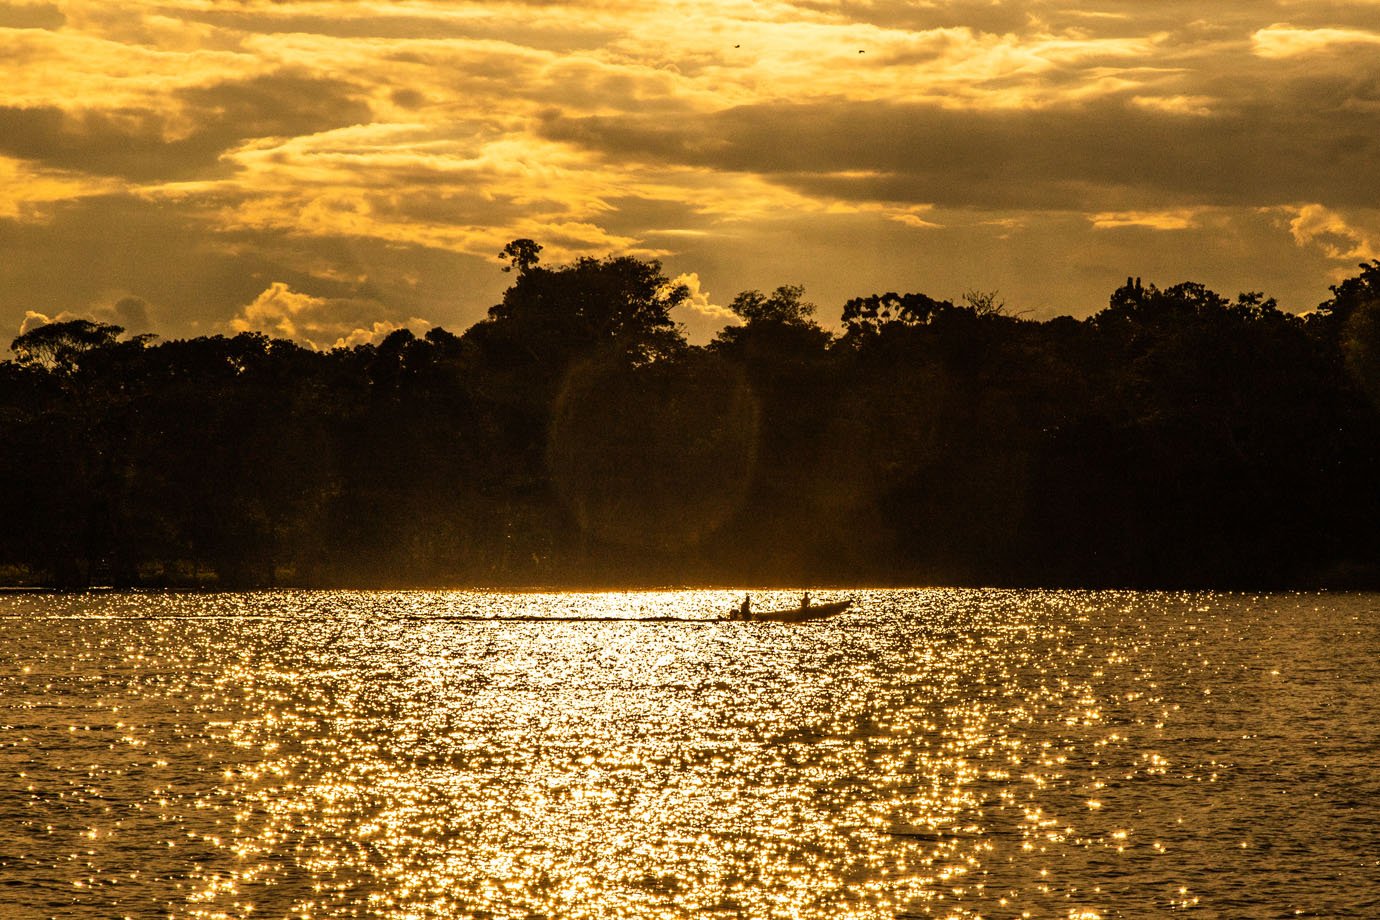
(1175,439)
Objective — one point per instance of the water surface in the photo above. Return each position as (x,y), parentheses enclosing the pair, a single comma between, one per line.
(927,754)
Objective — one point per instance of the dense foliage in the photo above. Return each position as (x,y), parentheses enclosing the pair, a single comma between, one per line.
(1177,438)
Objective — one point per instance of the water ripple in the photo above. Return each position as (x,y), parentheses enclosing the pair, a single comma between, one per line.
(478,754)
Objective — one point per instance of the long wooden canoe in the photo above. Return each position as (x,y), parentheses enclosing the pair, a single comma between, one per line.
(799,614)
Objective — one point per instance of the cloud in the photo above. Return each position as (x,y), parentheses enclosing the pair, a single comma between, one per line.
(30,16)
(1317,226)
(375,156)
(284,103)
(701,317)
(130,313)
(145,144)
(1176,105)
(33,319)
(129,144)
(911,216)
(1182,219)
(1105,155)
(556,28)
(1282,40)
(280,312)
(133,314)
(27,193)
(380,330)
(86,254)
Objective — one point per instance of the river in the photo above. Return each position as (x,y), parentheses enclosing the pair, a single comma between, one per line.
(928,753)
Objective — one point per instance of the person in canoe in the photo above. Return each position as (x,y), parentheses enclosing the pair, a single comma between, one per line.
(745,608)
(805,601)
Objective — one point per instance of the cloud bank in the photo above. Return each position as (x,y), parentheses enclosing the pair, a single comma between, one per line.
(366,161)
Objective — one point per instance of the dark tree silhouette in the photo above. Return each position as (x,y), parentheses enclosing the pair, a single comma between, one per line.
(1176,438)
(59,346)
(522,255)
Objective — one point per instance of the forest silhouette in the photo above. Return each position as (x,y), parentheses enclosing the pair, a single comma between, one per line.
(574,438)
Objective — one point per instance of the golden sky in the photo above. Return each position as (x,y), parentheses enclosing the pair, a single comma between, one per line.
(331,170)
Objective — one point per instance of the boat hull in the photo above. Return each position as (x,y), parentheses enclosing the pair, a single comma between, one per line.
(800,614)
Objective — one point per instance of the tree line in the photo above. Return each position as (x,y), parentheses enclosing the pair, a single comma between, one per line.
(1177,438)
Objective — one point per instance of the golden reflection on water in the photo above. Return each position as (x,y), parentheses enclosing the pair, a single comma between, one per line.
(446,755)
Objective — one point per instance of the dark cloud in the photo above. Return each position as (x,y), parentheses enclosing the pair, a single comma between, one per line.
(283,104)
(31,16)
(1017,122)
(552,36)
(161,267)
(984,16)
(1111,153)
(408,98)
(633,216)
(133,314)
(1101,19)
(443,205)
(140,145)
(1329,13)
(131,144)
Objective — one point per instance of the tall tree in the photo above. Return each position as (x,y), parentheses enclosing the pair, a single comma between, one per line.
(59,346)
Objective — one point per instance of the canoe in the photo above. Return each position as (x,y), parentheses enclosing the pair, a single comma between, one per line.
(800,614)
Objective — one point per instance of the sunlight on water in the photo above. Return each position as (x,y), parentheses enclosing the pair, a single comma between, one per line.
(925,754)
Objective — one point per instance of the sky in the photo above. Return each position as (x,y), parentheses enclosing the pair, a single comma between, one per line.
(330,171)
